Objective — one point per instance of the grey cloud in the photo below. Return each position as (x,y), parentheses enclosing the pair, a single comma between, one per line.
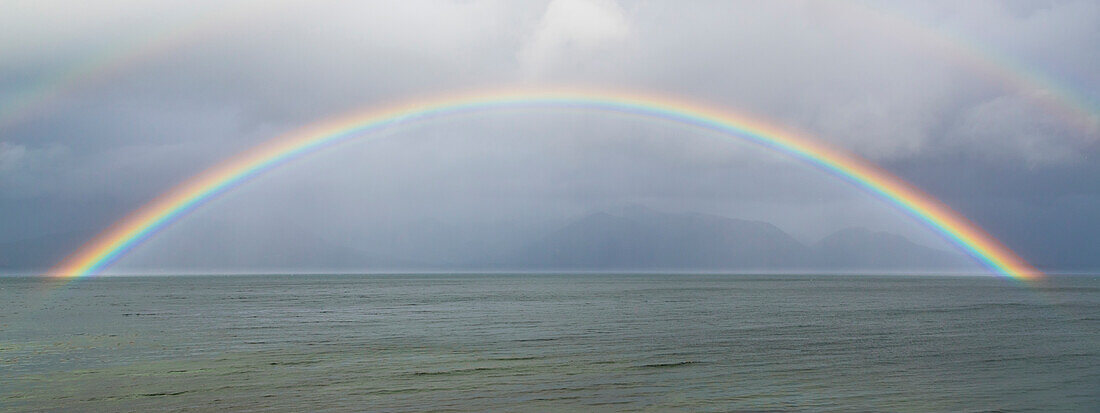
(255,71)
(11,155)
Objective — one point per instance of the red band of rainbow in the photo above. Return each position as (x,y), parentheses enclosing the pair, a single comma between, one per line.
(145,222)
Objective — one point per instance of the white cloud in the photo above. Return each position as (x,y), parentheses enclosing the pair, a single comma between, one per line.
(11,155)
(573,33)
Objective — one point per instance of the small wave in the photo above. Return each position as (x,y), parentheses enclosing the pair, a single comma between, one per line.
(159,394)
(455,371)
(666,365)
(527,340)
(965,308)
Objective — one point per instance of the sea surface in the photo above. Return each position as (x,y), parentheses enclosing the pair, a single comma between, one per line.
(542,342)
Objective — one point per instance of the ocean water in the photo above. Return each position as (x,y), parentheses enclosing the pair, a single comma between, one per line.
(550,343)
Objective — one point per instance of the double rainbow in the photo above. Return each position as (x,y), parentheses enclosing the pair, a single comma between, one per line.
(148,220)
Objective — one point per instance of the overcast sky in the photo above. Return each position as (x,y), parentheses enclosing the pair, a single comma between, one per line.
(106,104)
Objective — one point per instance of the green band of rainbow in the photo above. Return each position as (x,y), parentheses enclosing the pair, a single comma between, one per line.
(145,222)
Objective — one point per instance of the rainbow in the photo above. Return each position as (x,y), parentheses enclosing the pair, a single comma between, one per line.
(1069,104)
(37,97)
(148,220)
(1074,107)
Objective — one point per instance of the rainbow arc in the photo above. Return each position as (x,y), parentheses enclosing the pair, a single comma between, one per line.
(147,221)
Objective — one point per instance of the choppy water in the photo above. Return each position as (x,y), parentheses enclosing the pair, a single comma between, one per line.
(550,342)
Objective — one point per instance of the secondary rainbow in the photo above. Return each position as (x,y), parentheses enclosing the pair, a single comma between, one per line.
(35,98)
(1070,104)
(145,222)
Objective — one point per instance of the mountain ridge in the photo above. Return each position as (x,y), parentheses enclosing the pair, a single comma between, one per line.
(631,238)
(636,238)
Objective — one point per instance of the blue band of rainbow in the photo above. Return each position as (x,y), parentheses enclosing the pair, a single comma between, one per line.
(145,222)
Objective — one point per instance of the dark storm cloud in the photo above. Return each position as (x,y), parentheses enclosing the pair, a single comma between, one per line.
(989,149)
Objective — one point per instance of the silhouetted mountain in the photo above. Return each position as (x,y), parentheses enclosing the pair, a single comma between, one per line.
(640,239)
(625,239)
(858,248)
(636,238)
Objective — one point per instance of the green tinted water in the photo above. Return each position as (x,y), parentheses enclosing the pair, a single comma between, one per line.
(550,342)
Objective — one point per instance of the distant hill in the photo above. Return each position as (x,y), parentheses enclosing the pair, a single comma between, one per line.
(642,239)
(625,239)
(861,249)
(637,238)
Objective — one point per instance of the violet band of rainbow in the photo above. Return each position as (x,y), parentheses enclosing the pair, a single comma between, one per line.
(129,232)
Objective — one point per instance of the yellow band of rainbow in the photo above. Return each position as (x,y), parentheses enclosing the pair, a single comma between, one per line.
(145,222)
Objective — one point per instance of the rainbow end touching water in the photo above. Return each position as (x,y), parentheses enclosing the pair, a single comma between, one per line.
(147,221)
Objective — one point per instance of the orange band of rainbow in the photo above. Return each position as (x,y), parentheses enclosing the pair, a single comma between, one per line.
(129,232)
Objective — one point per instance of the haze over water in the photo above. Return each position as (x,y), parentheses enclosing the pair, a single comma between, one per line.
(551,342)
